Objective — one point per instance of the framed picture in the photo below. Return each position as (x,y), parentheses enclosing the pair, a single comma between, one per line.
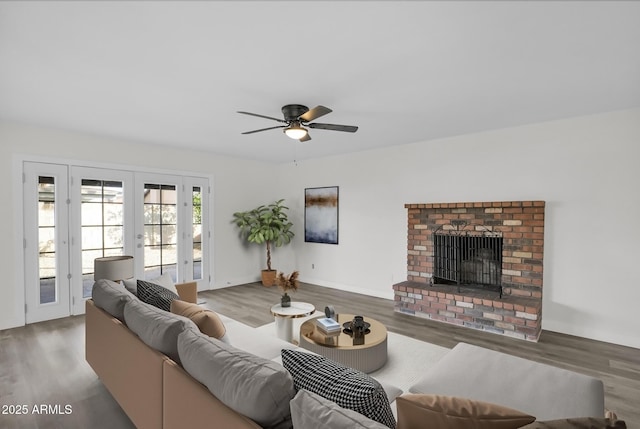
(321,215)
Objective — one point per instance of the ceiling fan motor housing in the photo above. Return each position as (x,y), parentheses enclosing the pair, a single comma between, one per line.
(292,112)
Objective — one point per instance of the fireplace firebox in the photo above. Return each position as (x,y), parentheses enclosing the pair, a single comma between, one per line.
(467,256)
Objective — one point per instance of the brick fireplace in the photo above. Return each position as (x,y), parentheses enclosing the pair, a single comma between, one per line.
(520,225)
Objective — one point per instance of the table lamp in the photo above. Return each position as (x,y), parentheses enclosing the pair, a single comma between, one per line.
(113,268)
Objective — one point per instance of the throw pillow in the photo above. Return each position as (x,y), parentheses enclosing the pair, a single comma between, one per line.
(252,386)
(165,280)
(420,411)
(131,285)
(156,295)
(206,320)
(347,387)
(311,411)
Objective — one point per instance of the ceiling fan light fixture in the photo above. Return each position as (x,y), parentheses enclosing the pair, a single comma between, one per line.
(295,131)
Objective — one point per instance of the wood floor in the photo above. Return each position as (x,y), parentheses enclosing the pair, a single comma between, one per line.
(43,363)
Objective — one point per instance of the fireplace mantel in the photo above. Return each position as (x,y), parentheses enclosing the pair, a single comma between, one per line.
(518,312)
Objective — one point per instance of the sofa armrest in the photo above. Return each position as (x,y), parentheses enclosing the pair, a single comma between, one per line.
(188,291)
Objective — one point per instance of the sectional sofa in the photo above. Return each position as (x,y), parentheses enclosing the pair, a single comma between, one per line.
(166,371)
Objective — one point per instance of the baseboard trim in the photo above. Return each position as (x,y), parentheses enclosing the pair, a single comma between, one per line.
(11,323)
(348,288)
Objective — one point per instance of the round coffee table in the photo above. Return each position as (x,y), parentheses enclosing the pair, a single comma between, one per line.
(284,317)
(365,353)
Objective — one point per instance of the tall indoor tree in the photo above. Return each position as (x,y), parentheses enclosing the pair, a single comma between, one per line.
(267,225)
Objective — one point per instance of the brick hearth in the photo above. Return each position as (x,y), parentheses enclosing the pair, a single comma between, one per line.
(519,312)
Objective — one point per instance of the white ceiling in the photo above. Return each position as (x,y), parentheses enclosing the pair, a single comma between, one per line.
(175,73)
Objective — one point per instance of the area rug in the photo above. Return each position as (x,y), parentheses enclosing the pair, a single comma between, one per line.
(407,358)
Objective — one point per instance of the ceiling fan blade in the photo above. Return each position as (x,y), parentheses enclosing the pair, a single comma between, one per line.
(306,138)
(333,127)
(315,113)
(262,116)
(263,129)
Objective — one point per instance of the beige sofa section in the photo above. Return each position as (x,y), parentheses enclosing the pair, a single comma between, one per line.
(153,390)
(188,404)
(130,370)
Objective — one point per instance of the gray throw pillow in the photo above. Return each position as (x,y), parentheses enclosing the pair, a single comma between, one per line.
(347,387)
(156,328)
(252,386)
(311,411)
(111,297)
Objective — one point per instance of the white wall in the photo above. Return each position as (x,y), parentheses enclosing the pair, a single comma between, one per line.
(586,169)
(237,185)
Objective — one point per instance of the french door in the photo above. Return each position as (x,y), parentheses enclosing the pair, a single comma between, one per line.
(46,242)
(102,214)
(76,214)
(169,238)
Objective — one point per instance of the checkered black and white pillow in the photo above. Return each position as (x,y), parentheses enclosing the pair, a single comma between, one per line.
(347,387)
(156,295)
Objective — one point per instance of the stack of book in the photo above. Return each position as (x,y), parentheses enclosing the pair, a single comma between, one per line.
(328,326)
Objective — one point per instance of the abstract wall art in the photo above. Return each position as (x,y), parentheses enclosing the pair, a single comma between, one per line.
(321,215)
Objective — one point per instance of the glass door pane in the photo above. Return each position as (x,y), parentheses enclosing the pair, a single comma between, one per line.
(160,211)
(47,240)
(196,226)
(102,225)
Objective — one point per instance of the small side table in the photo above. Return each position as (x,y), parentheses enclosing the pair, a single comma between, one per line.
(284,317)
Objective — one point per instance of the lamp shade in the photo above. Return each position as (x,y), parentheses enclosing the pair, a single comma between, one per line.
(114,268)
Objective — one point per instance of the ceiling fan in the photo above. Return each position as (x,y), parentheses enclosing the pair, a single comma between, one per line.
(297,117)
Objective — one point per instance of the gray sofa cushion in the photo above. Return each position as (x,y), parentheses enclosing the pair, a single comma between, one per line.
(311,411)
(156,328)
(253,386)
(111,297)
(544,391)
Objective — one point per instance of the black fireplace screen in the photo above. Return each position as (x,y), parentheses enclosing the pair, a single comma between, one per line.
(463,258)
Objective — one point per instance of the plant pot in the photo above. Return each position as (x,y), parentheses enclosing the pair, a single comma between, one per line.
(285,301)
(268,277)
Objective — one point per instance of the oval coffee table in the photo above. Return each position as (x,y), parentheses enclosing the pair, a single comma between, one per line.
(367,353)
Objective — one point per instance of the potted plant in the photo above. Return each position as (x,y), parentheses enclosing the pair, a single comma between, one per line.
(266,225)
(286,284)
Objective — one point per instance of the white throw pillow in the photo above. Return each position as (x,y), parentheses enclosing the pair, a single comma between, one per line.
(131,285)
(166,282)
